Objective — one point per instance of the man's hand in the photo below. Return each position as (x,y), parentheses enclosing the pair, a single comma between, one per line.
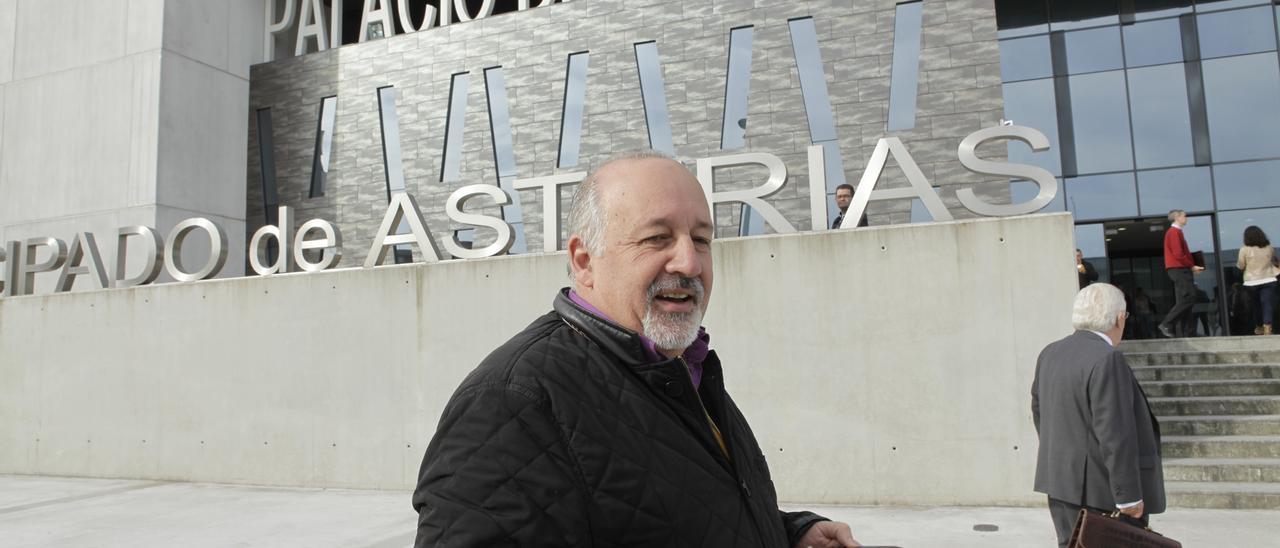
(1197,269)
(1134,511)
(828,534)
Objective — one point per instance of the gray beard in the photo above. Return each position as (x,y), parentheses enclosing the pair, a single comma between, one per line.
(673,331)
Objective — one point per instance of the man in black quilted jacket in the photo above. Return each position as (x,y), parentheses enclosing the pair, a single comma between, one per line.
(605,422)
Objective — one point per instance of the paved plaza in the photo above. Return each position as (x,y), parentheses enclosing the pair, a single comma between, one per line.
(49,511)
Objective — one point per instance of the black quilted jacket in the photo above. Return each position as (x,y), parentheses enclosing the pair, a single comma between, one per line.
(566,436)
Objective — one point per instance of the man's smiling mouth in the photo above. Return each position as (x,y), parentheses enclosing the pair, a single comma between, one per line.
(674,297)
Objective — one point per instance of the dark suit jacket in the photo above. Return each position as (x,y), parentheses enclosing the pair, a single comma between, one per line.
(1099,442)
(840,221)
(1089,275)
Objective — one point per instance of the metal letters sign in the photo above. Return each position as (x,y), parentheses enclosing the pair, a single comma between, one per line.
(18,265)
(316,29)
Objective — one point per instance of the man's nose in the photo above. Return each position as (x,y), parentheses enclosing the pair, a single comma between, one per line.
(684,258)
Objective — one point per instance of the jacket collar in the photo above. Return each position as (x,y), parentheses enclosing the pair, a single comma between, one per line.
(622,343)
(1091,336)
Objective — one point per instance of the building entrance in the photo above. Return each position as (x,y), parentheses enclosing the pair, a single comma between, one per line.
(1129,254)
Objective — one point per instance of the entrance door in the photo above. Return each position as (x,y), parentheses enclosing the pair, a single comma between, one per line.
(1135,253)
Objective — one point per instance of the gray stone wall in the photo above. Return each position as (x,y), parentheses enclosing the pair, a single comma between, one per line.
(959,92)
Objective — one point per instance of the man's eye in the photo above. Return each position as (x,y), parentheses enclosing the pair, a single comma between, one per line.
(655,239)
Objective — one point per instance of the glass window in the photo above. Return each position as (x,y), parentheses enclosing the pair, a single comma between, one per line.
(813,81)
(733,131)
(1031,104)
(267,158)
(1153,43)
(1102,196)
(393,165)
(1247,185)
(1242,95)
(1236,32)
(1212,5)
(1093,50)
(324,145)
(750,223)
(1153,9)
(1161,116)
(1166,189)
(1231,225)
(1025,58)
(1077,14)
(1100,119)
(504,155)
(1024,191)
(654,95)
(905,77)
(1021,18)
(575,99)
(455,122)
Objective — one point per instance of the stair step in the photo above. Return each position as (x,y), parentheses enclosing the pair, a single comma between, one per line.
(1201,358)
(1235,387)
(1235,405)
(1264,447)
(1221,425)
(1212,494)
(1202,344)
(1205,372)
(1222,470)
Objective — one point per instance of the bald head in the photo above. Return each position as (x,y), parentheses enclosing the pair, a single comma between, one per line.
(587,218)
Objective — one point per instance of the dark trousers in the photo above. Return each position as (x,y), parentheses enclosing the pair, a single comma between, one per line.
(1264,299)
(1065,514)
(1184,290)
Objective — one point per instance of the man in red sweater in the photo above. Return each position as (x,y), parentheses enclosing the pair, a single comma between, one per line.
(1181,268)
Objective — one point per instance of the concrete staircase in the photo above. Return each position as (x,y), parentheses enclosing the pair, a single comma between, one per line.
(1218,401)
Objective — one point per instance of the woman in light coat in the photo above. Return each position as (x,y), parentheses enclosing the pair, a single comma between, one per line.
(1257,262)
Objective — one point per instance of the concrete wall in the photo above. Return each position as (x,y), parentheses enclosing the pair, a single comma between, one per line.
(888,365)
(958,92)
(117,112)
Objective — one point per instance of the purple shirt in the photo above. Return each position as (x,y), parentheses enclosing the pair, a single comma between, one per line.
(693,356)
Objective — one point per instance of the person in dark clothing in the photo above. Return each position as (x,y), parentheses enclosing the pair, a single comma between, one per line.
(1241,310)
(1085,270)
(1181,268)
(606,422)
(844,197)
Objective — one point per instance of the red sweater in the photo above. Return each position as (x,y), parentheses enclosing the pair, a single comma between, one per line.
(1176,253)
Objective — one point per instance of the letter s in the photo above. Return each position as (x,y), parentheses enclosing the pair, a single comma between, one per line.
(969,159)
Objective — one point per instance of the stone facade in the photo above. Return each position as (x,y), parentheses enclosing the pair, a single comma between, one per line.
(958,92)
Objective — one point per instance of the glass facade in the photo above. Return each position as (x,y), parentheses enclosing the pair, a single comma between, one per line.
(1150,106)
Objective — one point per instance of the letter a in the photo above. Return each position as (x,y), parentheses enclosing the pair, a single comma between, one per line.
(919,188)
(402,208)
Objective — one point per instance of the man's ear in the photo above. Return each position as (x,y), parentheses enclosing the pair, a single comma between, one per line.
(580,262)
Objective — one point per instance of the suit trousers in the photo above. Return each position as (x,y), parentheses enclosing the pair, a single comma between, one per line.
(1065,514)
(1184,290)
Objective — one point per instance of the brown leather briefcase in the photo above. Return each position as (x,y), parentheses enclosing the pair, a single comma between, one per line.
(1094,530)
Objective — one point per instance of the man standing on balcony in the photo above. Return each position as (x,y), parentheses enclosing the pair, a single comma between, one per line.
(844,197)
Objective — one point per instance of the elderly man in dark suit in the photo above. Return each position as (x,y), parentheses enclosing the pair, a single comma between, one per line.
(1099,442)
